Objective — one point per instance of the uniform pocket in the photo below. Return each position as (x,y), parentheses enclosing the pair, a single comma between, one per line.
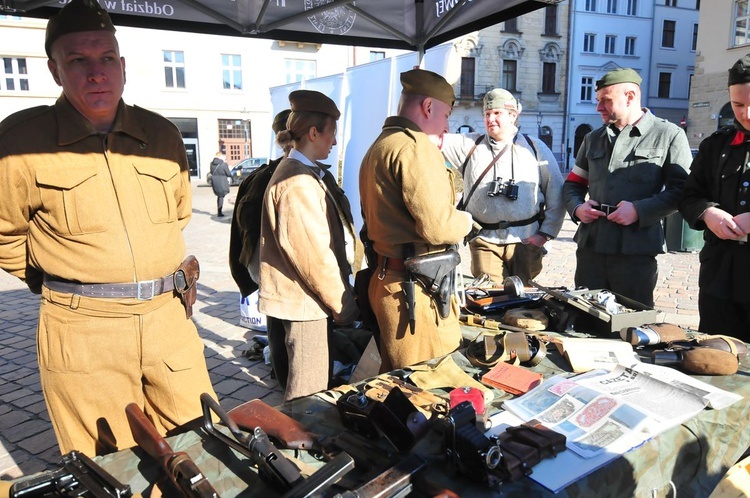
(158,182)
(71,195)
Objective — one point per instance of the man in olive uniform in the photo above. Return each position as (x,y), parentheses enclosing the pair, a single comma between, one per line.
(408,203)
(94,195)
(716,199)
(637,164)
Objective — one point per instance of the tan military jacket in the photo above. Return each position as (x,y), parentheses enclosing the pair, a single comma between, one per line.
(407,193)
(304,272)
(88,207)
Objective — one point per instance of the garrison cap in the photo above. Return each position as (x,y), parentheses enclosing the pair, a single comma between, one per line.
(279,121)
(77,16)
(501,99)
(740,71)
(429,84)
(619,75)
(310,100)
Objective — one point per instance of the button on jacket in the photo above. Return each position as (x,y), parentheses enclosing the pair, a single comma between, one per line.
(89,207)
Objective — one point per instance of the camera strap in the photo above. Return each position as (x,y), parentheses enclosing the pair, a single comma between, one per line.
(465,200)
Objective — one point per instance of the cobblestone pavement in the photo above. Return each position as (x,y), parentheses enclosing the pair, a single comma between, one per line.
(27,442)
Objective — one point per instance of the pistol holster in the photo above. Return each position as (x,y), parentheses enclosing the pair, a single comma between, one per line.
(184,282)
(435,272)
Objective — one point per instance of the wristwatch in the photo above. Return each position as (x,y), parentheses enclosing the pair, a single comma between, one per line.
(547,237)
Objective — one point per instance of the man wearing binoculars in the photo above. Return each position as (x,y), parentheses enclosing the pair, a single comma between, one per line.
(512,188)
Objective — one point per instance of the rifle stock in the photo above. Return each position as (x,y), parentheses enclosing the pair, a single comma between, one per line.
(290,433)
(180,468)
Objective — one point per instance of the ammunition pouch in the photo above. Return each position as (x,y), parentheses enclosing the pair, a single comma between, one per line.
(185,278)
(435,273)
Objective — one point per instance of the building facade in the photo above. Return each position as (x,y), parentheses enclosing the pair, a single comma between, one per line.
(214,88)
(724,37)
(526,56)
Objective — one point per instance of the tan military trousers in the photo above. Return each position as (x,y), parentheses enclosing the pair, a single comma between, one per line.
(98,355)
(307,349)
(433,336)
(501,261)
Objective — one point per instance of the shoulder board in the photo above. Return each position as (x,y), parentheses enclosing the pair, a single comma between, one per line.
(19,117)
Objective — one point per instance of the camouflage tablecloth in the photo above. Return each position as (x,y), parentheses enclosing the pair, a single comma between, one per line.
(686,461)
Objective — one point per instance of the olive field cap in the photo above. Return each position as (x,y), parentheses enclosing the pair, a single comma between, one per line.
(76,17)
(429,84)
(279,121)
(616,76)
(740,71)
(310,100)
(501,99)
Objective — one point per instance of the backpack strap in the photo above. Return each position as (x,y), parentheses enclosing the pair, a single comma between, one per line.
(471,151)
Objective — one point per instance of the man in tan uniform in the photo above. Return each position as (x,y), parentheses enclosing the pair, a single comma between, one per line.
(94,195)
(408,204)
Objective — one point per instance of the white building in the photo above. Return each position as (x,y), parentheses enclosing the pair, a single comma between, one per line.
(214,88)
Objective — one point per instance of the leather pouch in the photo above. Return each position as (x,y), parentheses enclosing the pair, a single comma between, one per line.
(184,282)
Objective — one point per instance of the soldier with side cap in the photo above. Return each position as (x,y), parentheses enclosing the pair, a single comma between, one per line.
(716,199)
(94,195)
(408,206)
(627,178)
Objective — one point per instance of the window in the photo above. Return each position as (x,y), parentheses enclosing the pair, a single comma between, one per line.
(670,3)
(667,34)
(174,69)
(630,45)
(665,82)
(15,75)
(376,56)
(589,39)
(741,22)
(510,71)
(611,6)
(590,6)
(511,25)
(694,43)
(550,20)
(549,77)
(632,9)
(609,44)
(300,70)
(231,72)
(468,65)
(587,89)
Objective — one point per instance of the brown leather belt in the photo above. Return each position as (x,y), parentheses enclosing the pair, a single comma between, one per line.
(144,290)
(393,264)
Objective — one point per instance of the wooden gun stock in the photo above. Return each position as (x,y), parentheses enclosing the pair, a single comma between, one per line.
(700,360)
(180,468)
(287,431)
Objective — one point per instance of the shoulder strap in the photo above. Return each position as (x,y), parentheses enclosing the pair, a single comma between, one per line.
(543,173)
(465,200)
(471,151)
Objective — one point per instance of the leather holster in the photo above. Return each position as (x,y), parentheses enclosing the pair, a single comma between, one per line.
(185,278)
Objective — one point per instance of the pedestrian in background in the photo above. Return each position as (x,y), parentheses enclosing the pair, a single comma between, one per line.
(512,188)
(627,178)
(94,195)
(306,249)
(220,174)
(716,199)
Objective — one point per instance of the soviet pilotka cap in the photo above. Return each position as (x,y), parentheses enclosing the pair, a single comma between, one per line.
(310,100)
(429,84)
(619,75)
(501,99)
(279,121)
(740,72)
(77,16)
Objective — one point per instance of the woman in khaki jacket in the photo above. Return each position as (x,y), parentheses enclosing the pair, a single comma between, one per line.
(304,269)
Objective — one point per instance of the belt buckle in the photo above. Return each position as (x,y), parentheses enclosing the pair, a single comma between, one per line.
(146,285)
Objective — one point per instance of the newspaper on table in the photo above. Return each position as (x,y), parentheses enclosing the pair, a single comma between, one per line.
(604,414)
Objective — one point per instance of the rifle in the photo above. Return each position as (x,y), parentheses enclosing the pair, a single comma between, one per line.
(78,476)
(182,471)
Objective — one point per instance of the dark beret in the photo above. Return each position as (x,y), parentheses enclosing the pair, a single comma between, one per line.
(620,75)
(740,72)
(310,100)
(77,16)
(279,121)
(429,84)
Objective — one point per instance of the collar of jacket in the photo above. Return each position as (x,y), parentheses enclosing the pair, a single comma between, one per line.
(401,122)
(72,126)
(640,127)
(741,135)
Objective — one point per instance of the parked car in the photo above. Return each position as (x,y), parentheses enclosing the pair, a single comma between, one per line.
(243,168)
